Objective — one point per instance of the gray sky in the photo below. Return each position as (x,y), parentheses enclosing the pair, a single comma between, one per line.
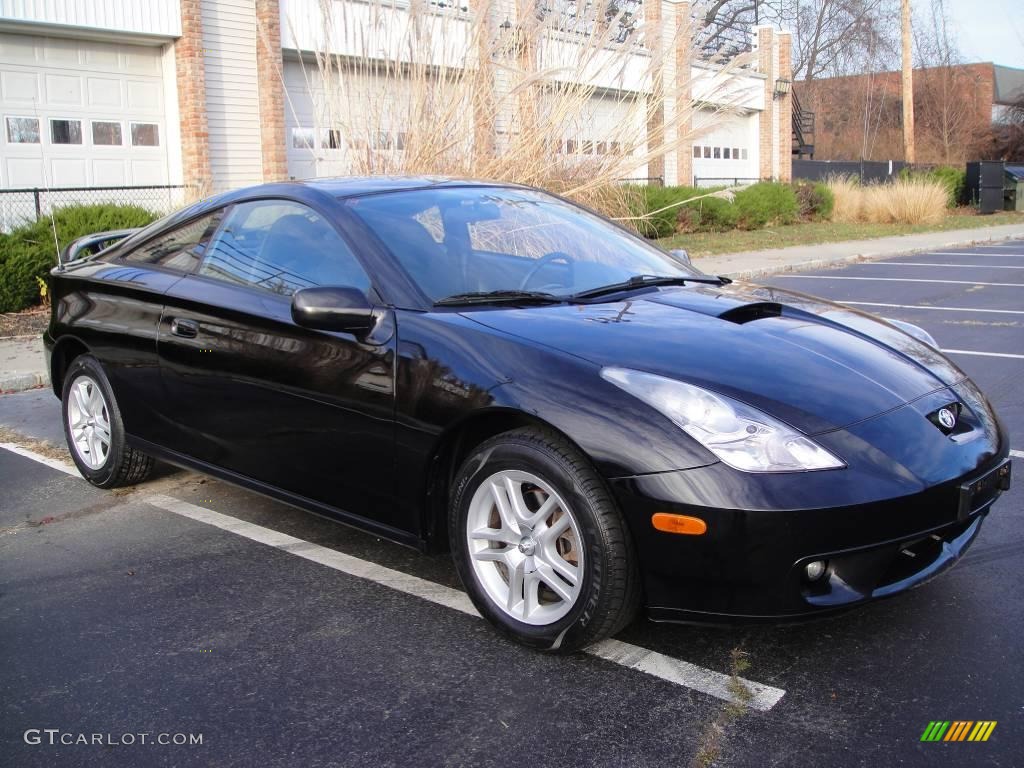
(988,30)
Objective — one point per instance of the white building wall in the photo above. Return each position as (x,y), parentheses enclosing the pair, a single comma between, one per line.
(141,17)
(232,93)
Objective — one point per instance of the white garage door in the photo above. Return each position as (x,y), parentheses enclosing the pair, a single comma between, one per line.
(79,113)
(338,128)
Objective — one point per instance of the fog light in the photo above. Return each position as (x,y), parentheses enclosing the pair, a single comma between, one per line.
(815,569)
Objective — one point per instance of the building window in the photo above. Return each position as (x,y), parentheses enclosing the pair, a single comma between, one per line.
(145,135)
(735,153)
(331,139)
(602,148)
(570,147)
(400,139)
(106,134)
(22,130)
(696,151)
(66,131)
(725,153)
(302,138)
(615,148)
(588,147)
(744,154)
(718,153)
(707,152)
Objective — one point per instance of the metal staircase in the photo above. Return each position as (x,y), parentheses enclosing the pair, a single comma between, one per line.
(803,130)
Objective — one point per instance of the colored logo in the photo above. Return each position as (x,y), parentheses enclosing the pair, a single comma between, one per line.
(958,730)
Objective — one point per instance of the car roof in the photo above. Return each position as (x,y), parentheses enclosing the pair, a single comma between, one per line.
(351,186)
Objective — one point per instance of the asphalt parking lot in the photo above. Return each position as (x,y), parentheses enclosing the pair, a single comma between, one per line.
(187,607)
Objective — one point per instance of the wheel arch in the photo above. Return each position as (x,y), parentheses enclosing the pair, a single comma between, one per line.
(65,350)
(453,447)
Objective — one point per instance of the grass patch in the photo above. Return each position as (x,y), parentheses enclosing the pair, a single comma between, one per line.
(710,747)
(811,233)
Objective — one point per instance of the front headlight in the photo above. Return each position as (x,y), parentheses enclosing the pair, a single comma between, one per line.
(741,436)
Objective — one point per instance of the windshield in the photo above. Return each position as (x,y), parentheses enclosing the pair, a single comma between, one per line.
(468,240)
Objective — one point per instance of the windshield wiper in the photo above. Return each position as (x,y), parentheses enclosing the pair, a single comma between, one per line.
(645,281)
(499,297)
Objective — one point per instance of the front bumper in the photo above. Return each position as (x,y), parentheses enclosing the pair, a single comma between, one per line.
(750,565)
(890,521)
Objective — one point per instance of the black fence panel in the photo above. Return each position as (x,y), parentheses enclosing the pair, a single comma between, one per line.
(19,206)
(865,170)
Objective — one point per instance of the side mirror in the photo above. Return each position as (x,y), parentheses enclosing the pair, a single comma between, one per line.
(682,255)
(333,309)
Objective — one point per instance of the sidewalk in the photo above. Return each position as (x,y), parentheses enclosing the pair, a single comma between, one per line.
(799,257)
(22,364)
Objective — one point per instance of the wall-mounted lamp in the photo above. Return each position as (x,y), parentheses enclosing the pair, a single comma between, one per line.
(782,87)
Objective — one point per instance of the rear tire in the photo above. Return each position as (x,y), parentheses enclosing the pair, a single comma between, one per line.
(539,543)
(94,430)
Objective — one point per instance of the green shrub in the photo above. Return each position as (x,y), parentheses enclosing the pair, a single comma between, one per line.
(815,200)
(28,252)
(766,203)
(953,179)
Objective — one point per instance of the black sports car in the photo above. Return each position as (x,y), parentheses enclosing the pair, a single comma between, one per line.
(589,423)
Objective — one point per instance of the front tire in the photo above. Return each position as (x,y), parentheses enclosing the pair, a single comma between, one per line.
(539,543)
(94,430)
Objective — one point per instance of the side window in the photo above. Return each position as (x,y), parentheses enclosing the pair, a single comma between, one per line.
(281,246)
(180,249)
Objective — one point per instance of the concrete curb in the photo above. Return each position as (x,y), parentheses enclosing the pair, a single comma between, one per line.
(19,382)
(861,256)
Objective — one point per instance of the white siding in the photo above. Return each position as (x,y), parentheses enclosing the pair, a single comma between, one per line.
(143,17)
(232,93)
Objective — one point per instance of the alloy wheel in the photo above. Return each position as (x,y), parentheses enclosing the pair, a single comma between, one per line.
(89,422)
(525,547)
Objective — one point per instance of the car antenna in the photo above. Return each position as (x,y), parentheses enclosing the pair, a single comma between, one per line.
(46,185)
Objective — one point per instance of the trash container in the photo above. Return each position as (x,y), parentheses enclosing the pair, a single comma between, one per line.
(985,182)
(1014,188)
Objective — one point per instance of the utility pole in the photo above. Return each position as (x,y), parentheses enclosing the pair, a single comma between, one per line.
(909,152)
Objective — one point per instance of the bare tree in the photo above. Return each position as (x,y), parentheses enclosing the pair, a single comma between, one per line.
(830,37)
(952,117)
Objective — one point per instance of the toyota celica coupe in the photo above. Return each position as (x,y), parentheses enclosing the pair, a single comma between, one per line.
(590,424)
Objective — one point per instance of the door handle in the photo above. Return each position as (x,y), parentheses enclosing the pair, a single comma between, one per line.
(187,329)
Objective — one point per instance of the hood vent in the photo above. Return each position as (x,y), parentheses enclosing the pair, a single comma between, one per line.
(746,313)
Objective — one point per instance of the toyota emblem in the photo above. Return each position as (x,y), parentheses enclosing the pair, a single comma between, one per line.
(947,418)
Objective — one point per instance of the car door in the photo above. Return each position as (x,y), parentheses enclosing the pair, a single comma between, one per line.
(117,312)
(307,412)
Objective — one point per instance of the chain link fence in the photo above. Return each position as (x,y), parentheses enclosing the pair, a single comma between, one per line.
(723,181)
(20,206)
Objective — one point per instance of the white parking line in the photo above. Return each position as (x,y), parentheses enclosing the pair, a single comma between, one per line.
(926,264)
(981,354)
(716,684)
(902,280)
(60,466)
(926,306)
(970,253)
(672,670)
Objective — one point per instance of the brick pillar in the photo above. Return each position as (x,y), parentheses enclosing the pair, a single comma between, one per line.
(656,116)
(191,82)
(766,126)
(270,70)
(785,145)
(684,93)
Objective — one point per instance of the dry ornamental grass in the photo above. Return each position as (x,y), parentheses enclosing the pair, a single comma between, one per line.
(902,201)
(430,90)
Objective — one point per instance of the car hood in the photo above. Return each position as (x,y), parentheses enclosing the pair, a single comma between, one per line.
(818,366)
